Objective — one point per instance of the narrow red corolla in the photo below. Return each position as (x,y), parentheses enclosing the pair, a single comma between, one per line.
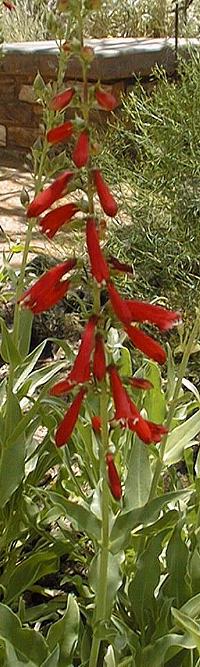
(140,383)
(99,267)
(106,198)
(99,361)
(121,398)
(80,371)
(120,266)
(62,100)
(113,478)
(60,133)
(80,155)
(46,198)
(119,305)
(145,312)
(49,289)
(146,344)
(157,431)
(53,220)
(105,99)
(96,424)
(66,426)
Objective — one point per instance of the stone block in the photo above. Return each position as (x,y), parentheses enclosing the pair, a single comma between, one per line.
(7,88)
(2,135)
(26,94)
(15,113)
(21,136)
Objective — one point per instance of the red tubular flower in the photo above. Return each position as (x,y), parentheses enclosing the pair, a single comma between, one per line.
(113,478)
(66,426)
(120,266)
(53,220)
(105,100)
(157,431)
(96,424)
(140,383)
(49,289)
(46,198)
(99,267)
(80,372)
(146,344)
(62,100)
(106,198)
(123,410)
(99,362)
(60,133)
(119,305)
(145,312)
(80,155)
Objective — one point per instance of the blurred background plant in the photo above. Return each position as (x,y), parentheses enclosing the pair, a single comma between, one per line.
(116,18)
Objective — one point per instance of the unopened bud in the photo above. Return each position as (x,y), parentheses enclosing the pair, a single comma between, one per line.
(87,54)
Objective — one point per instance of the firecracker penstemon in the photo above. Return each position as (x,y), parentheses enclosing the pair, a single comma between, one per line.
(94,369)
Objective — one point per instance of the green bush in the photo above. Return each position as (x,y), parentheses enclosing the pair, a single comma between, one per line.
(156,158)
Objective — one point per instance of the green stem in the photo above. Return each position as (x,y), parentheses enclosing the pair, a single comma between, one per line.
(100,611)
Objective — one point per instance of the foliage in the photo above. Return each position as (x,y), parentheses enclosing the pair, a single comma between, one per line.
(119,18)
(156,161)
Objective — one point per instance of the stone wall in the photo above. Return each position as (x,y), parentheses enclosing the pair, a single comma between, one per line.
(117,63)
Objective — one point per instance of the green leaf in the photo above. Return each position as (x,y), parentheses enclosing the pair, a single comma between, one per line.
(114,579)
(189,625)
(109,660)
(24,331)
(24,370)
(11,469)
(125,362)
(194,570)
(142,587)
(29,571)
(154,654)
(177,557)
(154,402)
(52,660)
(26,642)
(81,515)
(139,476)
(8,350)
(65,633)
(180,438)
(127,521)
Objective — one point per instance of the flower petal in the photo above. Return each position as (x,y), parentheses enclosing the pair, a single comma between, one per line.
(46,198)
(66,426)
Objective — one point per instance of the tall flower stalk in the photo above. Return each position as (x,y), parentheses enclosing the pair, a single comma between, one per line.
(94,369)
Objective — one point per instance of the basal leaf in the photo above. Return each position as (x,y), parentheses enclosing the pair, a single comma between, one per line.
(29,571)
(138,481)
(64,633)
(180,438)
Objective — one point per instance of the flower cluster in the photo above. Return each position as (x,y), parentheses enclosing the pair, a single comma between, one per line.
(92,366)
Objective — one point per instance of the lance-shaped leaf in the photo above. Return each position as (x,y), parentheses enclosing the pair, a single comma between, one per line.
(27,643)
(65,633)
